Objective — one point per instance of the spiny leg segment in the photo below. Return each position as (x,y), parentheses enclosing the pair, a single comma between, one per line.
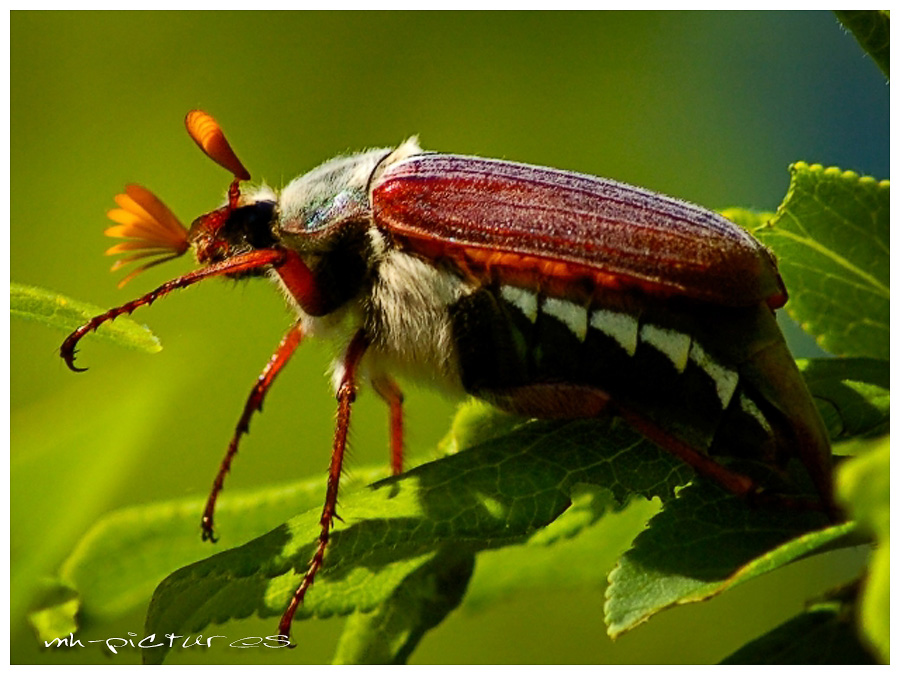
(346,394)
(279,360)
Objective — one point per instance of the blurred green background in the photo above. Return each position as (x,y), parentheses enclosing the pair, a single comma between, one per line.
(708,107)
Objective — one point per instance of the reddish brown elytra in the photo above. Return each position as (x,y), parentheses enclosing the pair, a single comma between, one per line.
(548,293)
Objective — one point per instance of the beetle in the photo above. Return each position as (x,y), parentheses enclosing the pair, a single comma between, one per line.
(547,293)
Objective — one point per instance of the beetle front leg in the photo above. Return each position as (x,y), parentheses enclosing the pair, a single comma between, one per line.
(346,394)
(282,355)
(390,392)
(254,260)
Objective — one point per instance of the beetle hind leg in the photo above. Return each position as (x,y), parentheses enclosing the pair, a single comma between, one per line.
(736,483)
(566,401)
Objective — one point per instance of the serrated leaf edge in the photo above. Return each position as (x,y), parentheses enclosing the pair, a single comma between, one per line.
(745,572)
(810,242)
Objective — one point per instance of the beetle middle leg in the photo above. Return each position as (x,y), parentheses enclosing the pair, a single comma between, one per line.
(389,390)
(346,394)
(282,355)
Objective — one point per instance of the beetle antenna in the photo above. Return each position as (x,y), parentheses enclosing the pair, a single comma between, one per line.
(152,231)
(208,135)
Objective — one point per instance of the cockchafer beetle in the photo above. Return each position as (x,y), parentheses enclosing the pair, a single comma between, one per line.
(548,293)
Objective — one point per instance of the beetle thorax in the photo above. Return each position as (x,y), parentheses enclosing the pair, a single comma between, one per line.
(408,316)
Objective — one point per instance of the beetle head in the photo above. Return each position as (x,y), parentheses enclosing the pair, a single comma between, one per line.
(235,240)
(230,231)
(154,232)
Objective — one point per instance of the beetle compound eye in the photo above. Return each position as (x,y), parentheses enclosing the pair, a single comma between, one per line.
(207,133)
(153,230)
(251,225)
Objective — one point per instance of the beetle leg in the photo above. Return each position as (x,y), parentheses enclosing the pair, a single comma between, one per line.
(773,372)
(282,355)
(549,400)
(346,394)
(564,401)
(245,262)
(389,390)
(736,483)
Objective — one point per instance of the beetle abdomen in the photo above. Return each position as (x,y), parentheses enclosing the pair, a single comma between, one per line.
(546,356)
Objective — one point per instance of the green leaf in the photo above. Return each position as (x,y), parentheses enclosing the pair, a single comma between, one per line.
(56,614)
(704,542)
(746,218)
(476,422)
(493,495)
(85,435)
(853,395)
(872,29)
(832,241)
(124,556)
(575,551)
(58,311)
(863,485)
(391,632)
(822,635)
